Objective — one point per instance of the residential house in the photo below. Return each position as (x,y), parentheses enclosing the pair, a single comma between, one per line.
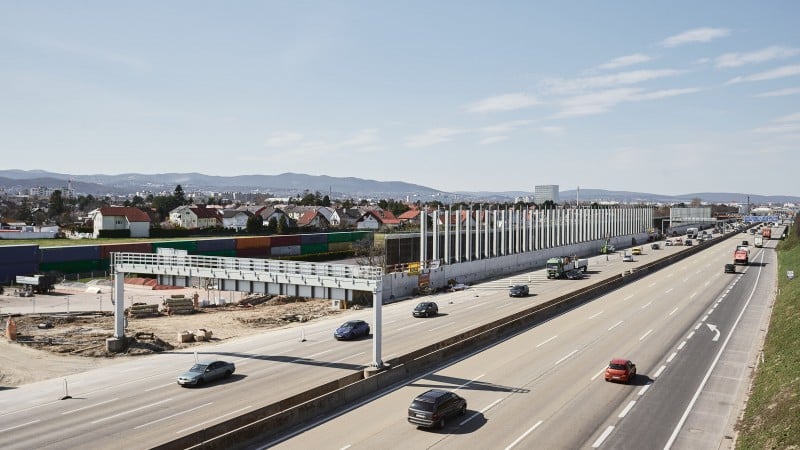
(270,213)
(376,219)
(313,219)
(121,218)
(235,219)
(348,217)
(331,215)
(411,217)
(195,217)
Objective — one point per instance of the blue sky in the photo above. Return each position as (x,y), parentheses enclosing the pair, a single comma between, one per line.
(670,98)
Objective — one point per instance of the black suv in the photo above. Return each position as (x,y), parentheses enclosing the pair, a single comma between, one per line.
(433,407)
(426,309)
(730,268)
(518,290)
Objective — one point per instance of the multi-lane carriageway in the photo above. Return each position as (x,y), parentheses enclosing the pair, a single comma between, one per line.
(540,388)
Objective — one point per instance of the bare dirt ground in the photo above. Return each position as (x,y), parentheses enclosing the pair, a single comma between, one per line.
(51,345)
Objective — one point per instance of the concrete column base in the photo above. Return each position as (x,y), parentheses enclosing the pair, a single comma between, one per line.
(372,371)
(115,345)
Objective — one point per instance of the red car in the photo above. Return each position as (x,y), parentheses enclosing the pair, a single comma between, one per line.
(623,370)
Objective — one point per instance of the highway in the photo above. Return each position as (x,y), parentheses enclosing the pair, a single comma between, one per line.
(137,404)
(544,388)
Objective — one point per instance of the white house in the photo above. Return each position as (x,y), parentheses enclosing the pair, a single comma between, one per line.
(122,218)
(235,219)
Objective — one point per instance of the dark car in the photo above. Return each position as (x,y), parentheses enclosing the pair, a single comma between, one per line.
(351,329)
(426,309)
(730,268)
(574,274)
(688,242)
(620,369)
(655,246)
(519,290)
(432,408)
(206,371)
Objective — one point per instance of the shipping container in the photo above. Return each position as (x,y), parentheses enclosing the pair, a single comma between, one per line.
(313,249)
(19,253)
(189,246)
(69,253)
(231,253)
(317,238)
(340,246)
(252,253)
(137,247)
(73,266)
(282,241)
(9,272)
(262,242)
(342,236)
(286,250)
(205,245)
(359,235)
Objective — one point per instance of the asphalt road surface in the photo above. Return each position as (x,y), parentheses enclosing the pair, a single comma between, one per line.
(138,404)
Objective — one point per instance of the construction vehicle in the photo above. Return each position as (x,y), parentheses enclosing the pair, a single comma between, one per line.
(766,233)
(758,241)
(558,267)
(741,256)
(607,248)
(40,284)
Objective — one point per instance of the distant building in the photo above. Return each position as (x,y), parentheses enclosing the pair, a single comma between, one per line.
(545,192)
(121,218)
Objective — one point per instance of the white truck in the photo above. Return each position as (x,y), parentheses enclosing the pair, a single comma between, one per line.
(758,241)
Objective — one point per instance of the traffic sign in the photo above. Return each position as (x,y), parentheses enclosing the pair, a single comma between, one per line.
(761,218)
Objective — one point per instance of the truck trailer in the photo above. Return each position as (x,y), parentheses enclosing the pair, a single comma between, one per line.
(558,267)
(766,233)
(741,256)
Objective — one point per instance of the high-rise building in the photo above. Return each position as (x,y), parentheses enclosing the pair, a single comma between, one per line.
(545,192)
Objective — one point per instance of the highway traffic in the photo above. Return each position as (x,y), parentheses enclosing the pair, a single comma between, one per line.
(138,403)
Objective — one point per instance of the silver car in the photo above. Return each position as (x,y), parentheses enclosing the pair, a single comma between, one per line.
(206,371)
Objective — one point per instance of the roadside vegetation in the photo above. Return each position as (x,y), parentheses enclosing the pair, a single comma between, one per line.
(772,416)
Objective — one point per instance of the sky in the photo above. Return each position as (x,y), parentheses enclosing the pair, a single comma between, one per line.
(670,97)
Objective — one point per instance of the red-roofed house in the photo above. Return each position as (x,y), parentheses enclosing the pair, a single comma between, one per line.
(376,218)
(122,218)
(412,216)
(313,218)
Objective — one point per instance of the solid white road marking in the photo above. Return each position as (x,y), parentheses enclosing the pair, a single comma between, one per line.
(658,372)
(603,436)
(511,445)
(18,426)
(409,326)
(645,335)
(564,358)
(92,406)
(346,358)
(130,411)
(464,329)
(475,306)
(212,420)
(165,385)
(627,409)
(441,326)
(615,325)
(672,356)
(673,311)
(171,416)
(545,342)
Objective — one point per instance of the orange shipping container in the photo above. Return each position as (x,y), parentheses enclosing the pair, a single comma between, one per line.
(261,242)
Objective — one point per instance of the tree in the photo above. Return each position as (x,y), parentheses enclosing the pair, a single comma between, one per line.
(179,196)
(272,226)
(326,201)
(255,224)
(367,254)
(56,205)
(282,226)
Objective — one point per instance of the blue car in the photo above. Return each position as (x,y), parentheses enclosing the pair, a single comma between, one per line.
(351,329)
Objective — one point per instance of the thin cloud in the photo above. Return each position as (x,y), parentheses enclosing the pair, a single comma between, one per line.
(363,137)
(624,61)
(695,35)
(553,130)
(283,138)
(780,93)
(433,137)
(492,140)
(604,101)
(779,129)
(505,127)
(505,102)
(561,86)
(760,56)
(780,72)
(790,118)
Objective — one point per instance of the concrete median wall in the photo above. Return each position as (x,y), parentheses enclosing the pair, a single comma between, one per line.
(277,418)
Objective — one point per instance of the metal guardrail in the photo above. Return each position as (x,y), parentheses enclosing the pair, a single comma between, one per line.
(152,263)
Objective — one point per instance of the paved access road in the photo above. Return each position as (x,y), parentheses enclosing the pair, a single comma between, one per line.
(690,329)
(138,404)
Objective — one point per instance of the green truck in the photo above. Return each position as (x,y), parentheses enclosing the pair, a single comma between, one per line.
(558,267)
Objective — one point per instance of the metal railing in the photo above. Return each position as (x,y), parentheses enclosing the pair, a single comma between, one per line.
(132,260)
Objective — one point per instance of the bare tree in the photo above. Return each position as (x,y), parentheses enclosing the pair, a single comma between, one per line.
(368,254)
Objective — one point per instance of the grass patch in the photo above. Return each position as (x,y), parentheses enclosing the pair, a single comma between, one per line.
(772,417)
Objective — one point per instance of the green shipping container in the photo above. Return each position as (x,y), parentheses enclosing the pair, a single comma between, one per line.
(340,246)
(343,236)
(359,235)
(189,246)
(312,249)
(74,266)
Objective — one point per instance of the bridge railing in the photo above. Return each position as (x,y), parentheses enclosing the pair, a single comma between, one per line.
(246,265)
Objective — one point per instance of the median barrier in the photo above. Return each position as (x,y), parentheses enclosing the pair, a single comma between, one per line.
(299,409)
